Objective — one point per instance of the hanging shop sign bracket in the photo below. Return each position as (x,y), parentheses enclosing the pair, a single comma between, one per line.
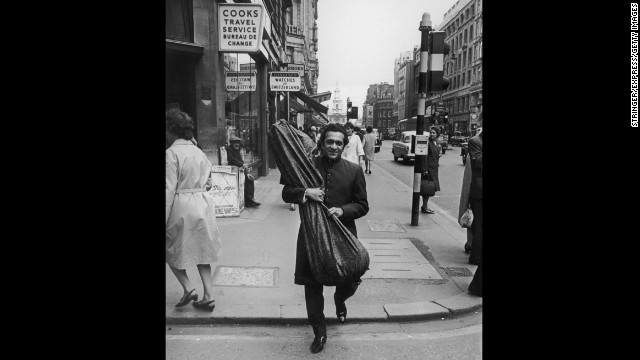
(240,27)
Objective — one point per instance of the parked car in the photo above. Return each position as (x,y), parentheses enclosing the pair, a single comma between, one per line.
(457,138)
(400,148)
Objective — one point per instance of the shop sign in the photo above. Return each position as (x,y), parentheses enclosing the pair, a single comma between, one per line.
(248,67)
(241,81)
(284,81)
(240,27)
(296,67)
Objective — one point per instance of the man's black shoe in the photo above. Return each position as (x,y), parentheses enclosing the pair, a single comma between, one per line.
(341,313)
(251,203)
(318,344)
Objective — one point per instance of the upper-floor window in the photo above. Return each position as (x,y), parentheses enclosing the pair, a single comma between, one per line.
(465,36)
(471,32)
(179,20)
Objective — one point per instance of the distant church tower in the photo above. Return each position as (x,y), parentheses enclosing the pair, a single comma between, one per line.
(337,114)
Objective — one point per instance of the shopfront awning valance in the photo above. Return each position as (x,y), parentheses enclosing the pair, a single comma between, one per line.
(310,102)
(295,106)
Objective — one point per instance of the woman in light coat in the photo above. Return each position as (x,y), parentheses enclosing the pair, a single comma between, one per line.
(192,236)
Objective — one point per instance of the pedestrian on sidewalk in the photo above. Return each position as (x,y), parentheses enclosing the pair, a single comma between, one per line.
(235,158)
(369,148)
(192,236)
(475,198)
(345,194)
(353,149)
(464,205)
(430,164)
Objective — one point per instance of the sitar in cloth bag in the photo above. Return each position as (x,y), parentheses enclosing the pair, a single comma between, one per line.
(335,255)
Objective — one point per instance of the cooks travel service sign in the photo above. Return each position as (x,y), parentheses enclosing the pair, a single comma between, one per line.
(240,27)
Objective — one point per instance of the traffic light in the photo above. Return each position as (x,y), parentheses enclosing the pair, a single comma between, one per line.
(445,117)
(438,49)
(353,114)
(349,109)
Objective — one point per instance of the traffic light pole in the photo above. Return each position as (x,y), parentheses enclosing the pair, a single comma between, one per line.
(425,28)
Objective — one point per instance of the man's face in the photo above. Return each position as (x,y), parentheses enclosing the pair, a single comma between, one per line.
(433,134)
(333,145)
(235,144)
(349,131)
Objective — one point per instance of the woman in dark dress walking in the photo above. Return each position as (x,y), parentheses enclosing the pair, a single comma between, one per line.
(430,165)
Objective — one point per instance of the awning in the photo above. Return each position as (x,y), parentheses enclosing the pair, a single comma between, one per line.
(310,102)
(318,119)
(322,97)
(294,105)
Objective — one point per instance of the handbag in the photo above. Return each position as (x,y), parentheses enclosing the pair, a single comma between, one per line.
(467,218)
(427,186)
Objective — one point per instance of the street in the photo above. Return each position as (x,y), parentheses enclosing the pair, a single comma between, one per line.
(457,338)
(449,172)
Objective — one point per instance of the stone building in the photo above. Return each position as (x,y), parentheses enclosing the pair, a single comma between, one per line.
(227,92)
(383,118)
(462,25)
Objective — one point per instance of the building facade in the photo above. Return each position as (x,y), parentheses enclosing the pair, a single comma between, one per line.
(462,25)
(383,118)
(397,64)
(301,47)
(405,95)
(206,82)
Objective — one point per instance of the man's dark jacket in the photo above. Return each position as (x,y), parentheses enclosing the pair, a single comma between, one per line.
(233,157)
(475,154)
(344,187)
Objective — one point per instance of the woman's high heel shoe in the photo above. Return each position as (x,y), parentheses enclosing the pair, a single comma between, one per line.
(187,298)
(206,305)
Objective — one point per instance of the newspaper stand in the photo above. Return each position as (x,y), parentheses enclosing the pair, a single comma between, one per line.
(227,190)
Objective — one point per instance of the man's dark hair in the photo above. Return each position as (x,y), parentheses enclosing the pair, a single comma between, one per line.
(369,129)
(336,128)
(179,123)
(349,125)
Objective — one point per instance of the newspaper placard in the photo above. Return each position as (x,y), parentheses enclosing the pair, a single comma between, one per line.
(241,81)
(225,191)
(284,81)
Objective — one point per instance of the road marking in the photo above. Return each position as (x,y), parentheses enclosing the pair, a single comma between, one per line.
(394,336)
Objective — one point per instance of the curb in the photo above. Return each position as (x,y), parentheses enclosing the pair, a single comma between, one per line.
(462,303)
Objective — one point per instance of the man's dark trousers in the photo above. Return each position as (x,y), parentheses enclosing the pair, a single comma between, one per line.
(249,189)
(315,304)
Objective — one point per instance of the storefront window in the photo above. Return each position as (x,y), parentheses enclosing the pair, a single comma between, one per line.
(242,104)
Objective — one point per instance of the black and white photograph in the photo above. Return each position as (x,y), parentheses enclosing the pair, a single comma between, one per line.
(324,179)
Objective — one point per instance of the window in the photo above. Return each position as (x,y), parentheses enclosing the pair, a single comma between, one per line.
(465,36)
(463,74)
(470,32)
(464,58)
(469,75)
(470,53)
(179,20)
(242,114)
